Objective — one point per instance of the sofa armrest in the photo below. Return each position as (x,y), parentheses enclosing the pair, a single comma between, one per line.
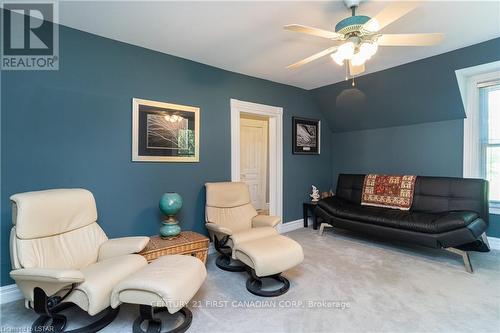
(265,221)
(122,246)
(54,275)
(218,229)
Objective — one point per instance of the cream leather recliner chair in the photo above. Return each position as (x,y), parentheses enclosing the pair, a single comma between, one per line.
(246,240)
(61,256)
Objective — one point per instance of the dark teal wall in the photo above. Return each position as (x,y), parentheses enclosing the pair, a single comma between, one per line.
(417,92)
(72,128)
(420,95)
(494,228)
(433,149)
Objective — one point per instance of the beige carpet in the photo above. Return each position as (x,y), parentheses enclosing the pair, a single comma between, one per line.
(347,283)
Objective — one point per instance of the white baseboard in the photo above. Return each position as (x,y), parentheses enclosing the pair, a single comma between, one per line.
(494,243)
(10,293)
(290,226)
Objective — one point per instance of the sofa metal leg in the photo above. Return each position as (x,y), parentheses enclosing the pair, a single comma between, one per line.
(51,321)
(484,238)
(147,313)
(254,284)
(465,257)
(322,228)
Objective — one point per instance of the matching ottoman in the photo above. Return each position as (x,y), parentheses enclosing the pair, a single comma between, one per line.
(266,258)
(168,283)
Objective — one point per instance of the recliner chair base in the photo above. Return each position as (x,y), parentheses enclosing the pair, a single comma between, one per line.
(226,263)
(51,321)
(224,260)
(147,313)
(254,284)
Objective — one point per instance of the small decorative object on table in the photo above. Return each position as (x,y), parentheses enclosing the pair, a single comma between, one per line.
(188,242)
(170,205)
(315,194)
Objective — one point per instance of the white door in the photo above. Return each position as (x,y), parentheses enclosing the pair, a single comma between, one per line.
(253,159)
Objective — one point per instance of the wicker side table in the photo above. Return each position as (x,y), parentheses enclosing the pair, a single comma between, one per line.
(188,242)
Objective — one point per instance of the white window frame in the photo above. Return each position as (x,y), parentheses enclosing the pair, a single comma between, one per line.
(469,81)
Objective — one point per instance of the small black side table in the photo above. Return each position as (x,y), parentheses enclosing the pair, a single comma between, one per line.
(308,207)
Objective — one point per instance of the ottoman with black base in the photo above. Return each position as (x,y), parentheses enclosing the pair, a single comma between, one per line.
(267,258)
(168,283)
(247,241)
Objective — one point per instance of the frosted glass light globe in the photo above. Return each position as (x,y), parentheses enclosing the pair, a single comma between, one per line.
(337,58)
(346,50)
(358,59)
(368,49)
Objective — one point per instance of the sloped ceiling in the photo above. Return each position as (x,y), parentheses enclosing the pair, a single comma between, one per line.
(247,36)
(418,92)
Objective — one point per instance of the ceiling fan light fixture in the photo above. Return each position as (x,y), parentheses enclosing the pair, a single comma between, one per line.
(346,50)
(337,58)
(360,37)
(358,59)
(368,49)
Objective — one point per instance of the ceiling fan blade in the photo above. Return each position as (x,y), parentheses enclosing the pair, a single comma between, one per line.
(313,31)
(312,58)
(410,39)
(388,15)
(356,70)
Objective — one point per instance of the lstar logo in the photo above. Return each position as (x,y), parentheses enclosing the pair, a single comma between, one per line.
(30,39)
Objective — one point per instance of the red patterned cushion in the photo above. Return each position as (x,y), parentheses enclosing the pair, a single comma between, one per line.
(388,191)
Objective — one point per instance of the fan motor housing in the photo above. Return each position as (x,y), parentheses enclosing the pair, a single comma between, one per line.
(351,24)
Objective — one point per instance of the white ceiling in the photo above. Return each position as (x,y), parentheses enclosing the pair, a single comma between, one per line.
(247,37)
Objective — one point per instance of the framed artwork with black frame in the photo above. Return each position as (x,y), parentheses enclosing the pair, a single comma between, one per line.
(164,132)
(306,136)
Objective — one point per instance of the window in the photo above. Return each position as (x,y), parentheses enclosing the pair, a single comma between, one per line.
(480,90)
(489,108)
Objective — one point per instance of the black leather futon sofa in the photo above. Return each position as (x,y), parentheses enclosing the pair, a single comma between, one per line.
(449,213)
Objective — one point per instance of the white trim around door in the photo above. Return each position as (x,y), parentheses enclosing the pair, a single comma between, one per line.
(275,115)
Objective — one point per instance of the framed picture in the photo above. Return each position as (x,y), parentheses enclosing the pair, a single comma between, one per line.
(163,132)
(306,136)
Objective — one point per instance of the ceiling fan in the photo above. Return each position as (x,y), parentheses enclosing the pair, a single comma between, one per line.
(358,37)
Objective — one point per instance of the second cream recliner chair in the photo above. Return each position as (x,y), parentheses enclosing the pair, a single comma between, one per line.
(61,256)
(246,240)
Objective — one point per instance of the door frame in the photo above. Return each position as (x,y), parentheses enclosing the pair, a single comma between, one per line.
(275,142)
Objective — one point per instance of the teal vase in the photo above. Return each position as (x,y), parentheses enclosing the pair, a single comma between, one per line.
(170,229)
(170,204)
